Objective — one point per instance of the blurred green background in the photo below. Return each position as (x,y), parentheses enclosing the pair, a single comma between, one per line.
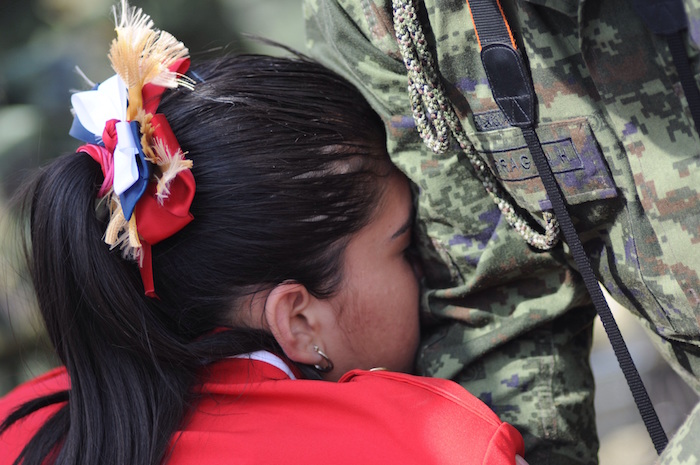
(41,44)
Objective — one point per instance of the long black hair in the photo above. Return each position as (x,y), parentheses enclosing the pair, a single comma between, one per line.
(287,157)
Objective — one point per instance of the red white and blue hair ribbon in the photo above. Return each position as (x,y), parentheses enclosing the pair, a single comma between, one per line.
(147,179)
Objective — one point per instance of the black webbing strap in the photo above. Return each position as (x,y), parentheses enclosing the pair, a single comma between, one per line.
(667,19)
(512,90)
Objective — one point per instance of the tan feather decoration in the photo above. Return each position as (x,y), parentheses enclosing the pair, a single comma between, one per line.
(170,164)
(142,54)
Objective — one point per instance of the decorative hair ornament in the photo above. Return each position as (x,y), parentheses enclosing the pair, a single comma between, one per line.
(147,179)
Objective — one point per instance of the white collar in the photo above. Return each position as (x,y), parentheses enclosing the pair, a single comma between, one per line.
(269,358)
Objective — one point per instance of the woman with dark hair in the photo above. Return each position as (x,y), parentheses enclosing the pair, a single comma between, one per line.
(256,246)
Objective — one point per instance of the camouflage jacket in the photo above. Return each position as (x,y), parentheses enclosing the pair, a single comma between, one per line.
(617,133)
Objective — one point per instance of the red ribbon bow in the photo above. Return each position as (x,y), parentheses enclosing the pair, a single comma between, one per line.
(156,220)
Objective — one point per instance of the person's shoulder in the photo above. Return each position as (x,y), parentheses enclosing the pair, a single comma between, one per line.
(369,417)
(439,390)
(440,410)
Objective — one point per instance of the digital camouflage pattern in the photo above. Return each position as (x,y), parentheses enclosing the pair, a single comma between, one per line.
(509,322)
(682,449)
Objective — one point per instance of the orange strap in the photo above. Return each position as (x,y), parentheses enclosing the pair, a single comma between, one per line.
(485,16)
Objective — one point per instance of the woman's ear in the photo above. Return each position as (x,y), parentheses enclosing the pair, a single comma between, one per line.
(291,314)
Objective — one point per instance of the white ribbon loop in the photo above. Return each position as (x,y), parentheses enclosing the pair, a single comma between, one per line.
(126,171)
(94,108)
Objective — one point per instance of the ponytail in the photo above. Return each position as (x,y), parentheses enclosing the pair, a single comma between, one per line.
(93,307)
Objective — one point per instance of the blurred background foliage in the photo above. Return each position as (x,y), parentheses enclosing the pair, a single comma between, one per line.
(41,44)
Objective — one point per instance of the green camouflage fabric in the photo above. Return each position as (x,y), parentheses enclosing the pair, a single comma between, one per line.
(682,449)
(511,322)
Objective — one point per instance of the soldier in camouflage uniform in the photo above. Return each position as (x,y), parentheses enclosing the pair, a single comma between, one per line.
(507,316)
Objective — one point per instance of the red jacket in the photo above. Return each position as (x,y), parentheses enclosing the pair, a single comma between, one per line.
(252,412)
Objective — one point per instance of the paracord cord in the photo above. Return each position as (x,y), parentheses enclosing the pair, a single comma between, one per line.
(436,119)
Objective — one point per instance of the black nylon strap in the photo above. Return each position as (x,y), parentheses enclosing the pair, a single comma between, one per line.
(634,381)
(501,69)
(488,21)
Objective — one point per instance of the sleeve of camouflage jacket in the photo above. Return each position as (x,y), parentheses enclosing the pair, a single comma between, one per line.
(509,323)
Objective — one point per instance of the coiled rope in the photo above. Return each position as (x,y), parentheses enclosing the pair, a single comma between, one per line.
(436,119)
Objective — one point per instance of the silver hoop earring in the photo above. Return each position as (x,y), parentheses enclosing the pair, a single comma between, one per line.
(329,364)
